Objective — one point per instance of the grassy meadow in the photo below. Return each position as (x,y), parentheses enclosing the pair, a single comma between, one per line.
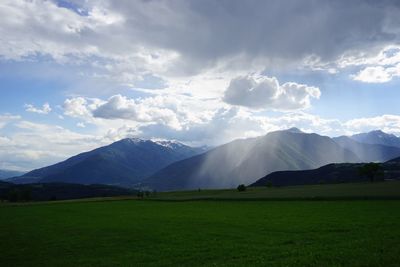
(201,233)
(344,191)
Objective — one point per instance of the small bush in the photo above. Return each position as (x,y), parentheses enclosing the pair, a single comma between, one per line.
(241,188)
(371,170)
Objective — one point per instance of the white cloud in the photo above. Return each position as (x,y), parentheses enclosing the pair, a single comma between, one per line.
(76,107)
(44,110)
(387,123)
(383,56)
(377,74)
(30,27)
(120,107)
(380,65)
(266,93)
(34,29)
(173,111)
(34,145)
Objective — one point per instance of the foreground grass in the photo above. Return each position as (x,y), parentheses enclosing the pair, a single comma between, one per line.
(201,233)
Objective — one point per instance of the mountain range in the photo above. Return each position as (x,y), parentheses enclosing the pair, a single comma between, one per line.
(167,165)
(377,137)
(122,163)
(368,152)
(245,161)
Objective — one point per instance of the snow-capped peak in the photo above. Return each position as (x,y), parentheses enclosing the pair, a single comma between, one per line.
(168,143)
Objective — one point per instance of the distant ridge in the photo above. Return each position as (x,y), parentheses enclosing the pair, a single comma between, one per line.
(377,137)
(368,152)
(4,174)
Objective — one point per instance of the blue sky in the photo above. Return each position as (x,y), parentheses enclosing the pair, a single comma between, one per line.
(75,75)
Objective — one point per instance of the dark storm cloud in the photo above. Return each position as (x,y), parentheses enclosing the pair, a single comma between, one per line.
(204,34)
(207,31)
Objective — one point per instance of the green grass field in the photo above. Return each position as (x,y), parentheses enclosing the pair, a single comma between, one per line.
(345,191)
(201,233)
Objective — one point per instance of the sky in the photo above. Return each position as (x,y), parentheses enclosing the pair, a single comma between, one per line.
(76,75)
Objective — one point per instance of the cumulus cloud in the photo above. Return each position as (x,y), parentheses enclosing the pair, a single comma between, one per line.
(44,110)
(173,111)
(377,74)
(76,107)
(266,93)
(120,107)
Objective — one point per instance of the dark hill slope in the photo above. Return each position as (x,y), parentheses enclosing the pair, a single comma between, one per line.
(331,173)
(58,191)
